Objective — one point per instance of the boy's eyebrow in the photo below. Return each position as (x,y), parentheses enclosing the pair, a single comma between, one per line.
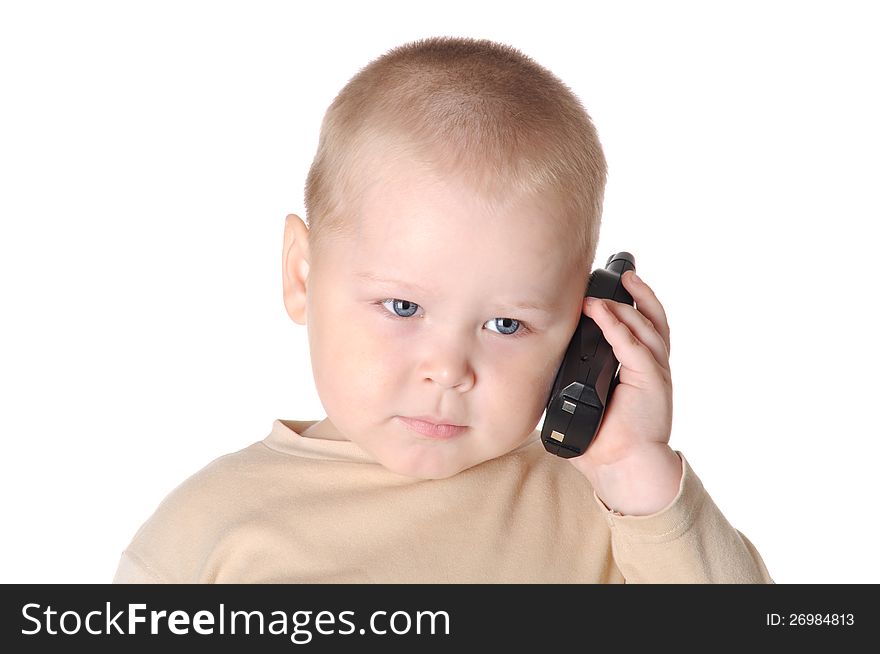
(523,305)
(365,274)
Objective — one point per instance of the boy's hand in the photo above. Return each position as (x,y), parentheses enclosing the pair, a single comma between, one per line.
(629,462)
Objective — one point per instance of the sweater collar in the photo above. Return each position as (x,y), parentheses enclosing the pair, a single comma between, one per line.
(286,436)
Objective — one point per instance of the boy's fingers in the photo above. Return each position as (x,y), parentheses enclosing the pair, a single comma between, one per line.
(606,313)
(648,305)
(635,342)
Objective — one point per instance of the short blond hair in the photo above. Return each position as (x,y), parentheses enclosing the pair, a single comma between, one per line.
(473,109)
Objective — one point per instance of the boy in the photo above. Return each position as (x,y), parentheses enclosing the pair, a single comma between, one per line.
(454,207)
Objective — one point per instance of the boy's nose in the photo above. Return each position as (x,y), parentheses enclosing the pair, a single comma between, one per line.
(449,369)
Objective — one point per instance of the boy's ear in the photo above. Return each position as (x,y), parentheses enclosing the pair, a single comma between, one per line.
(295,267)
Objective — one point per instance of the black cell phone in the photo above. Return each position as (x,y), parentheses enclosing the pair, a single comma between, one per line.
(588,375)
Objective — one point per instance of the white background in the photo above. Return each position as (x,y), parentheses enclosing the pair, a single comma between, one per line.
(149,153)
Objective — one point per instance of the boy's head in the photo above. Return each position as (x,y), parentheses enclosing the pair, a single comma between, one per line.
(456,183)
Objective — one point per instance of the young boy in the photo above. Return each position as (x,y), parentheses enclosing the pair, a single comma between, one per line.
(454,207)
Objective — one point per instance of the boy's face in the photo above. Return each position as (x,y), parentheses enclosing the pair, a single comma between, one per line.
(432,339)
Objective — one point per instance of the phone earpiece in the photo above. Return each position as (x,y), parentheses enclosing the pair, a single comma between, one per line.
(587,377)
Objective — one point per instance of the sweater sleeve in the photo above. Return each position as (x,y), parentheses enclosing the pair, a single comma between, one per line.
(688,542)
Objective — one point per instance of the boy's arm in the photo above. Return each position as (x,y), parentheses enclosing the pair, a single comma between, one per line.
(688,541)
(629,462)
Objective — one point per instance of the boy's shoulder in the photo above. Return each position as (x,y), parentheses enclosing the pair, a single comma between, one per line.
(197,498)
(231,478)
(172,540)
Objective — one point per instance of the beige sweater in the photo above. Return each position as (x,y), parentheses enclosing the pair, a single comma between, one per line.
(291,509)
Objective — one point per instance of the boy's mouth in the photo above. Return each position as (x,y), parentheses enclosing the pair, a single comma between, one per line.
(432,426)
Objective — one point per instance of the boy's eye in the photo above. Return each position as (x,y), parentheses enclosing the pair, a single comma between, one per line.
(407,309)
(506,326)
(402,308)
